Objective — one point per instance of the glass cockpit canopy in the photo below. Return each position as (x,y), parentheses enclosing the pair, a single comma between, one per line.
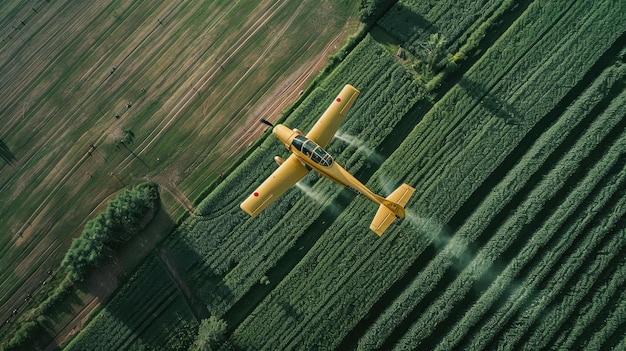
(312,150)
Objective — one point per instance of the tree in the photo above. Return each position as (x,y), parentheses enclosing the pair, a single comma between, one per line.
(26,332)
(211,334)
(127,138)
(433,51)
(372,10)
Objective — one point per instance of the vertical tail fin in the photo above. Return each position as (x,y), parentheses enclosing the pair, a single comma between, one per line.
(391,208)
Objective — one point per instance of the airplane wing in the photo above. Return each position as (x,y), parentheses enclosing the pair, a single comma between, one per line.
(283,178)
(326,127)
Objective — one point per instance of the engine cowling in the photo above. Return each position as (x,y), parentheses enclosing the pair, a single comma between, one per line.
(279,160)
(298,131)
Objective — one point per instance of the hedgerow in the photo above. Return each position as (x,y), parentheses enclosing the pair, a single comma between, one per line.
(125,215)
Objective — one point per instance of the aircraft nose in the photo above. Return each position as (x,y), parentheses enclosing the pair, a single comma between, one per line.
(282,133)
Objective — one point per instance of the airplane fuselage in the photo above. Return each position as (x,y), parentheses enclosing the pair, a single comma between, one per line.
(315,157)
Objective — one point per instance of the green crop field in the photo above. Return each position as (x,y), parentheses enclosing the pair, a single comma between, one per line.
(509,119)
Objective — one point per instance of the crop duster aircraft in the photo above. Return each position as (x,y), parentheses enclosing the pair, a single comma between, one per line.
(308,153)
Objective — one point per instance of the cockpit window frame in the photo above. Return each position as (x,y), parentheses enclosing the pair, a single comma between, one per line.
(313,151)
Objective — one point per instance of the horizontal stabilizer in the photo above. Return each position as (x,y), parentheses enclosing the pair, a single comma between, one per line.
(391,208)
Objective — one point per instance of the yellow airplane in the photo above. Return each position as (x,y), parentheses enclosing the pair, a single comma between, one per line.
(308,153)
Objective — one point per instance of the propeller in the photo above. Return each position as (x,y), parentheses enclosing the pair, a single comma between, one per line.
(264,121)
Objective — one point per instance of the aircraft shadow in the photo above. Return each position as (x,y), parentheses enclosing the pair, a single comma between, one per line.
(494,104)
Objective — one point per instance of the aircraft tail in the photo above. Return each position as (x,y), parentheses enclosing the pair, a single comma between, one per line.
(391,208)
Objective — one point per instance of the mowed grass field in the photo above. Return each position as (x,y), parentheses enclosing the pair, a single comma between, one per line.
(189,79)
(514,239)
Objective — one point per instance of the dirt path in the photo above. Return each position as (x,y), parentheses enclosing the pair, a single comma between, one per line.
(178,195)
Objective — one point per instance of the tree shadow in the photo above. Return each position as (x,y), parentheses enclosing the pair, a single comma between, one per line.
(67,306)
(408,25)
(59,313)
(177,274)
(500,108)
(6,154)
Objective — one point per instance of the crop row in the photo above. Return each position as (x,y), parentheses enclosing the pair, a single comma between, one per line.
(609,192)
(500,195)
(476,127)
(564,211)
(611,328)
(590,310)
(566,300)
(538,301)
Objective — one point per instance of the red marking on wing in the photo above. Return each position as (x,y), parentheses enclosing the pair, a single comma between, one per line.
(256,194)
(338,99)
